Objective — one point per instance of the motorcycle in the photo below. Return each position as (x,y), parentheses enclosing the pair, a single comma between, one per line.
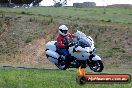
(82,53)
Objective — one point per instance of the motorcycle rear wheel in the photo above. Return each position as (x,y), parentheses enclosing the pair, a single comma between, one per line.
(61,65)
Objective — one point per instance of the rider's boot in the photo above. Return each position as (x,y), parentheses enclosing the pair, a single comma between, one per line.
(67,57)
(62,58)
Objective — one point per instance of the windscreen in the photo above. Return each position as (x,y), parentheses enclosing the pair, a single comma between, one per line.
(84,42)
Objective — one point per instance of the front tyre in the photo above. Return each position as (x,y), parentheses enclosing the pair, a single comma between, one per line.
(96,66)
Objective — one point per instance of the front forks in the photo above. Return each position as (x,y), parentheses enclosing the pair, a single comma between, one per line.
(89,61)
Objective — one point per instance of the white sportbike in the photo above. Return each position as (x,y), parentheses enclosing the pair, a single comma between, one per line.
(82,53)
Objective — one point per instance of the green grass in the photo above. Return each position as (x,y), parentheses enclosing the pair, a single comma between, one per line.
(120,15)
(40,78)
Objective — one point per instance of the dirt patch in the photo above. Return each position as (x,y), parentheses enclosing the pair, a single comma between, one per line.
(34,52)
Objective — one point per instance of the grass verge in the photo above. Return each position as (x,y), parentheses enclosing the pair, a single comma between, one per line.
(41,78)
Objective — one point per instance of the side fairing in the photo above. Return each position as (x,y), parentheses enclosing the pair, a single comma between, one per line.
(79,53)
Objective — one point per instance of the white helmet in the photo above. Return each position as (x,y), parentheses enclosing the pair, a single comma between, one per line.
(63,30)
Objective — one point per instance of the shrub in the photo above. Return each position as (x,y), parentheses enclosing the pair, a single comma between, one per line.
(29,39)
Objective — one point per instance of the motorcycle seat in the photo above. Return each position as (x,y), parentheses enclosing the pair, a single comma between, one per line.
(58,49)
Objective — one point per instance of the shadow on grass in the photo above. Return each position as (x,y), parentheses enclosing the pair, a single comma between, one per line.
(36,68)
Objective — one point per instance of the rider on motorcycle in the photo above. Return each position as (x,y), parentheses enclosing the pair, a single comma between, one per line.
(62,40)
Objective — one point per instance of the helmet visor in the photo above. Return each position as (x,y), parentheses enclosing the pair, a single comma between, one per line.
(63,31)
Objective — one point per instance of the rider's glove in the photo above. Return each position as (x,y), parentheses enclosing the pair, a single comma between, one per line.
(71,44)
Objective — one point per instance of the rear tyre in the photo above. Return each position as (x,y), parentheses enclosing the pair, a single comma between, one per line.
(62,65)
(96,66)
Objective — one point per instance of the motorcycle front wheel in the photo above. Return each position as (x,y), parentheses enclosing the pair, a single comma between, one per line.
(96,66)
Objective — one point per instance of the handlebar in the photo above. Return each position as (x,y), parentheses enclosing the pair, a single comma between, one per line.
(71,44)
